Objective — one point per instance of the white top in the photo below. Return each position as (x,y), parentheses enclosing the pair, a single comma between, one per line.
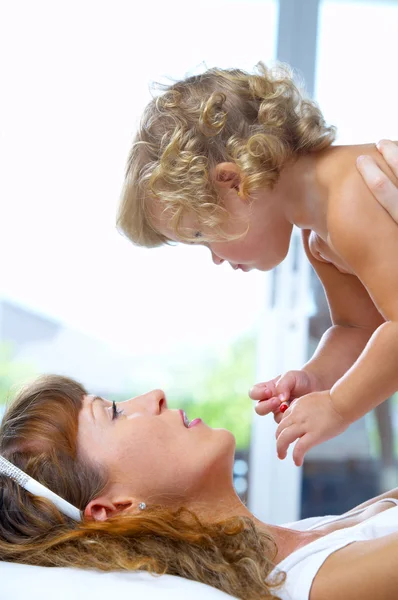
(302,566)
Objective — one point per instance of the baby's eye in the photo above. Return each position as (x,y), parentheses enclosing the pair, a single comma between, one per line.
(198,234)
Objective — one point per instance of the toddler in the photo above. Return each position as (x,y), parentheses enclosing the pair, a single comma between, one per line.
(233,161)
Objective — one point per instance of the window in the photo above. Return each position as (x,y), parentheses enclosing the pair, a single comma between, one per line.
(356,90)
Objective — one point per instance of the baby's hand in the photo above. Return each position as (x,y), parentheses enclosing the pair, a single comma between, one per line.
(283,388)
(313,419)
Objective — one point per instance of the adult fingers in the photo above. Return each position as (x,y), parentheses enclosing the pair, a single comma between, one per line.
(389,150)
(379,184)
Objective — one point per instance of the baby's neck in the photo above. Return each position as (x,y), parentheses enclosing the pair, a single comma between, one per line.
(308,185)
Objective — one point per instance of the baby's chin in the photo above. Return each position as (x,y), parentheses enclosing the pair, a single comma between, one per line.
(245,268)
(268,265)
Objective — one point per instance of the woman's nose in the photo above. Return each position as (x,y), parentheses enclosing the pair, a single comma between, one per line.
(216,259)
(153,401)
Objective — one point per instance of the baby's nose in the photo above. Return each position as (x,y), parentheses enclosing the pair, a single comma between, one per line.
(216,259)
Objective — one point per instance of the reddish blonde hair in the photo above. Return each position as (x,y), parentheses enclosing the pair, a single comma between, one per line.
(38,434)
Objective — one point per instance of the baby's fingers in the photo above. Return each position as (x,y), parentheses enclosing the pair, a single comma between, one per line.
(267,406)
(262,391)
(286,384)
(301,448)
(278,416)
(286,437)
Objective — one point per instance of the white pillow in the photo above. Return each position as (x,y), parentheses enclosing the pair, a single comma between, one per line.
(25,582)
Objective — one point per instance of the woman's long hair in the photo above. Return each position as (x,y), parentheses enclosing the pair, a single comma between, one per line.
(38,434)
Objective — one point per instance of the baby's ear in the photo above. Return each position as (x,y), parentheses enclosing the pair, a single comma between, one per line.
(227,174)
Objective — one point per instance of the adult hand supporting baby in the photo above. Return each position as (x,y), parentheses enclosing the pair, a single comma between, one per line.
(379,184)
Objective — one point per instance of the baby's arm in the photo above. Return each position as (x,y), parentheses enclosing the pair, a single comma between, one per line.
(354,319)
(314,418)
(365,236)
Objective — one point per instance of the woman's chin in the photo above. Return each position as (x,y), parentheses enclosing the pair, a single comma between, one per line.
(226,447)
(226,437)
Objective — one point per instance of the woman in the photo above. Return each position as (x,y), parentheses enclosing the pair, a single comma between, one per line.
(156,493)
(130,468)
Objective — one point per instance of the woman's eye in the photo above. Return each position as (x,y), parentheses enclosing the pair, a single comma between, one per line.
(198,234)
(115,411)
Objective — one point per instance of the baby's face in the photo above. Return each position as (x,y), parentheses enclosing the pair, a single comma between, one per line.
(149,451)
(264,233)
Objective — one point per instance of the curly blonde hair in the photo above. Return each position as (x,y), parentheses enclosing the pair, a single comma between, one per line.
(38,434)
(258,121)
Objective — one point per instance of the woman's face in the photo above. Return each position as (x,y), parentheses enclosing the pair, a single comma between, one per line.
(150,453)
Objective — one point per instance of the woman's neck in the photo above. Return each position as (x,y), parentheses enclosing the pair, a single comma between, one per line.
(229,505)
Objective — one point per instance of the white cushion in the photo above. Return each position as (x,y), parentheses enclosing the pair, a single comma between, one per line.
(24,582)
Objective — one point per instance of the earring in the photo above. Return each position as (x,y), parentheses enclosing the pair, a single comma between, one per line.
(142,506)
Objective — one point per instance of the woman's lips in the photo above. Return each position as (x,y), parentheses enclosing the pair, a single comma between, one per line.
(186,422)
(184,417)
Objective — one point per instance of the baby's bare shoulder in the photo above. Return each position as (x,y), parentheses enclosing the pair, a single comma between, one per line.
(354,216)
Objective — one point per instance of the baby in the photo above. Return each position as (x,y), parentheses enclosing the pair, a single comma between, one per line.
(233,161)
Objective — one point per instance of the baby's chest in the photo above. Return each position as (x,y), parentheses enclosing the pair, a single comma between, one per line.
(322,252)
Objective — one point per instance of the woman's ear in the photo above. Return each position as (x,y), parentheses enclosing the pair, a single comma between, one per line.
(101,508)
(227,175)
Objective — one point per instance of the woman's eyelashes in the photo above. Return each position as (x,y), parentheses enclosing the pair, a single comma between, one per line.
(115,411)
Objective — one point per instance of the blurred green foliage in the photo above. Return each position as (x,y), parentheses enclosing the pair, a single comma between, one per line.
(13,373)
(214,388)
(220,394)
